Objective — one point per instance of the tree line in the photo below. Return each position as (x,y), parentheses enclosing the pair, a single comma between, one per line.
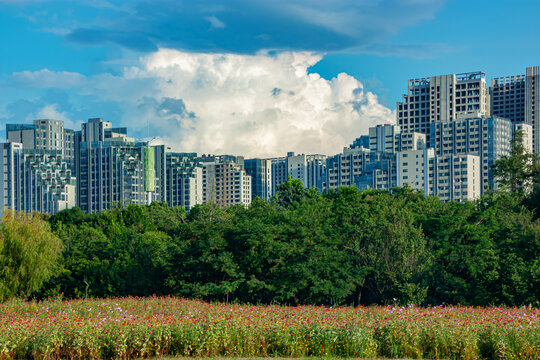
(301,247)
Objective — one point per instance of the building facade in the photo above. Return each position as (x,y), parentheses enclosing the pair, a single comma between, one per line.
(441,99)
(517,98)
(383,138)
(412,169)
(532,104)
(260,171)
(226,184)
(362,168)
(507,96)
(115,172)
(184,180)
(310,169)
(44,134)
(362,141)
(35,180)
(456,177)
(526,136)
(487,137)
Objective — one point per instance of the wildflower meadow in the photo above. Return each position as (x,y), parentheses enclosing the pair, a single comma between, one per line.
(128,328)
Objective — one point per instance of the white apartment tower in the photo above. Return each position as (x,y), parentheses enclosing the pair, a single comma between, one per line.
(310,169)
(526,136)
(225,184)
(441,98)
(456,177)
(388,138)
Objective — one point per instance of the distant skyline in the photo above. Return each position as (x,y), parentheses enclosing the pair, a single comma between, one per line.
(256,78)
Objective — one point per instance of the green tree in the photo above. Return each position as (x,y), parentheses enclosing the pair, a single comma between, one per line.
(253,235)
(518,172)
(118,252)
(292,192)
(28,254)
(516,238)
(387,246)
(203,264)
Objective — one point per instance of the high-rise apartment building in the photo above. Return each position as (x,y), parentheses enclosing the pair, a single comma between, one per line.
(35,180)
(379,172)
(310,169)
(316,169)
(362,141)
(526,135)
(342,169)
(9,184)
(382,138)
(517,98)
(362,168)
(441,98)
(413,169)
(280,172)
(296,167)
(260,171)
(184,180)
(455,177)
(450,177)
(225,183)
(99,141)
(388,138)
(507,96)
(97,129)
(487,137)
(44,134)
(224,180)
(112,172)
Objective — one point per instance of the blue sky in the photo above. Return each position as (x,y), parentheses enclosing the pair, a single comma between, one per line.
(202,74)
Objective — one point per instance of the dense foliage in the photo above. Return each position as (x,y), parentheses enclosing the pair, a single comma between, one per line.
(303,247)
(28,254)
(134,328)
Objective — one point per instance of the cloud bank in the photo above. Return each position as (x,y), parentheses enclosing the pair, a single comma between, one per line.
(253,105)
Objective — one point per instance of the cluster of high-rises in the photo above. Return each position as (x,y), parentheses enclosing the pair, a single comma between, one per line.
(450,129)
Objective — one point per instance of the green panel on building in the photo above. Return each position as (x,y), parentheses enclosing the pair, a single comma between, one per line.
(149,169)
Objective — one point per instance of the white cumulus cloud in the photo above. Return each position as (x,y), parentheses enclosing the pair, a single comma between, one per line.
(253,105)
(258,105)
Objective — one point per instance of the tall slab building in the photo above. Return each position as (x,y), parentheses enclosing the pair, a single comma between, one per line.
(489,138)
(183,185)
(260,171)
(517,98)
(112,168)
(44,134)
(310,169)
(34,180)
(441,98)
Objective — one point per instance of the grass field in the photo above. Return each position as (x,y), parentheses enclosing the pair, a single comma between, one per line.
(133,328)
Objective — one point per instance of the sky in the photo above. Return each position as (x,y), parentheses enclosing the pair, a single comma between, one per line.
(245,77)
